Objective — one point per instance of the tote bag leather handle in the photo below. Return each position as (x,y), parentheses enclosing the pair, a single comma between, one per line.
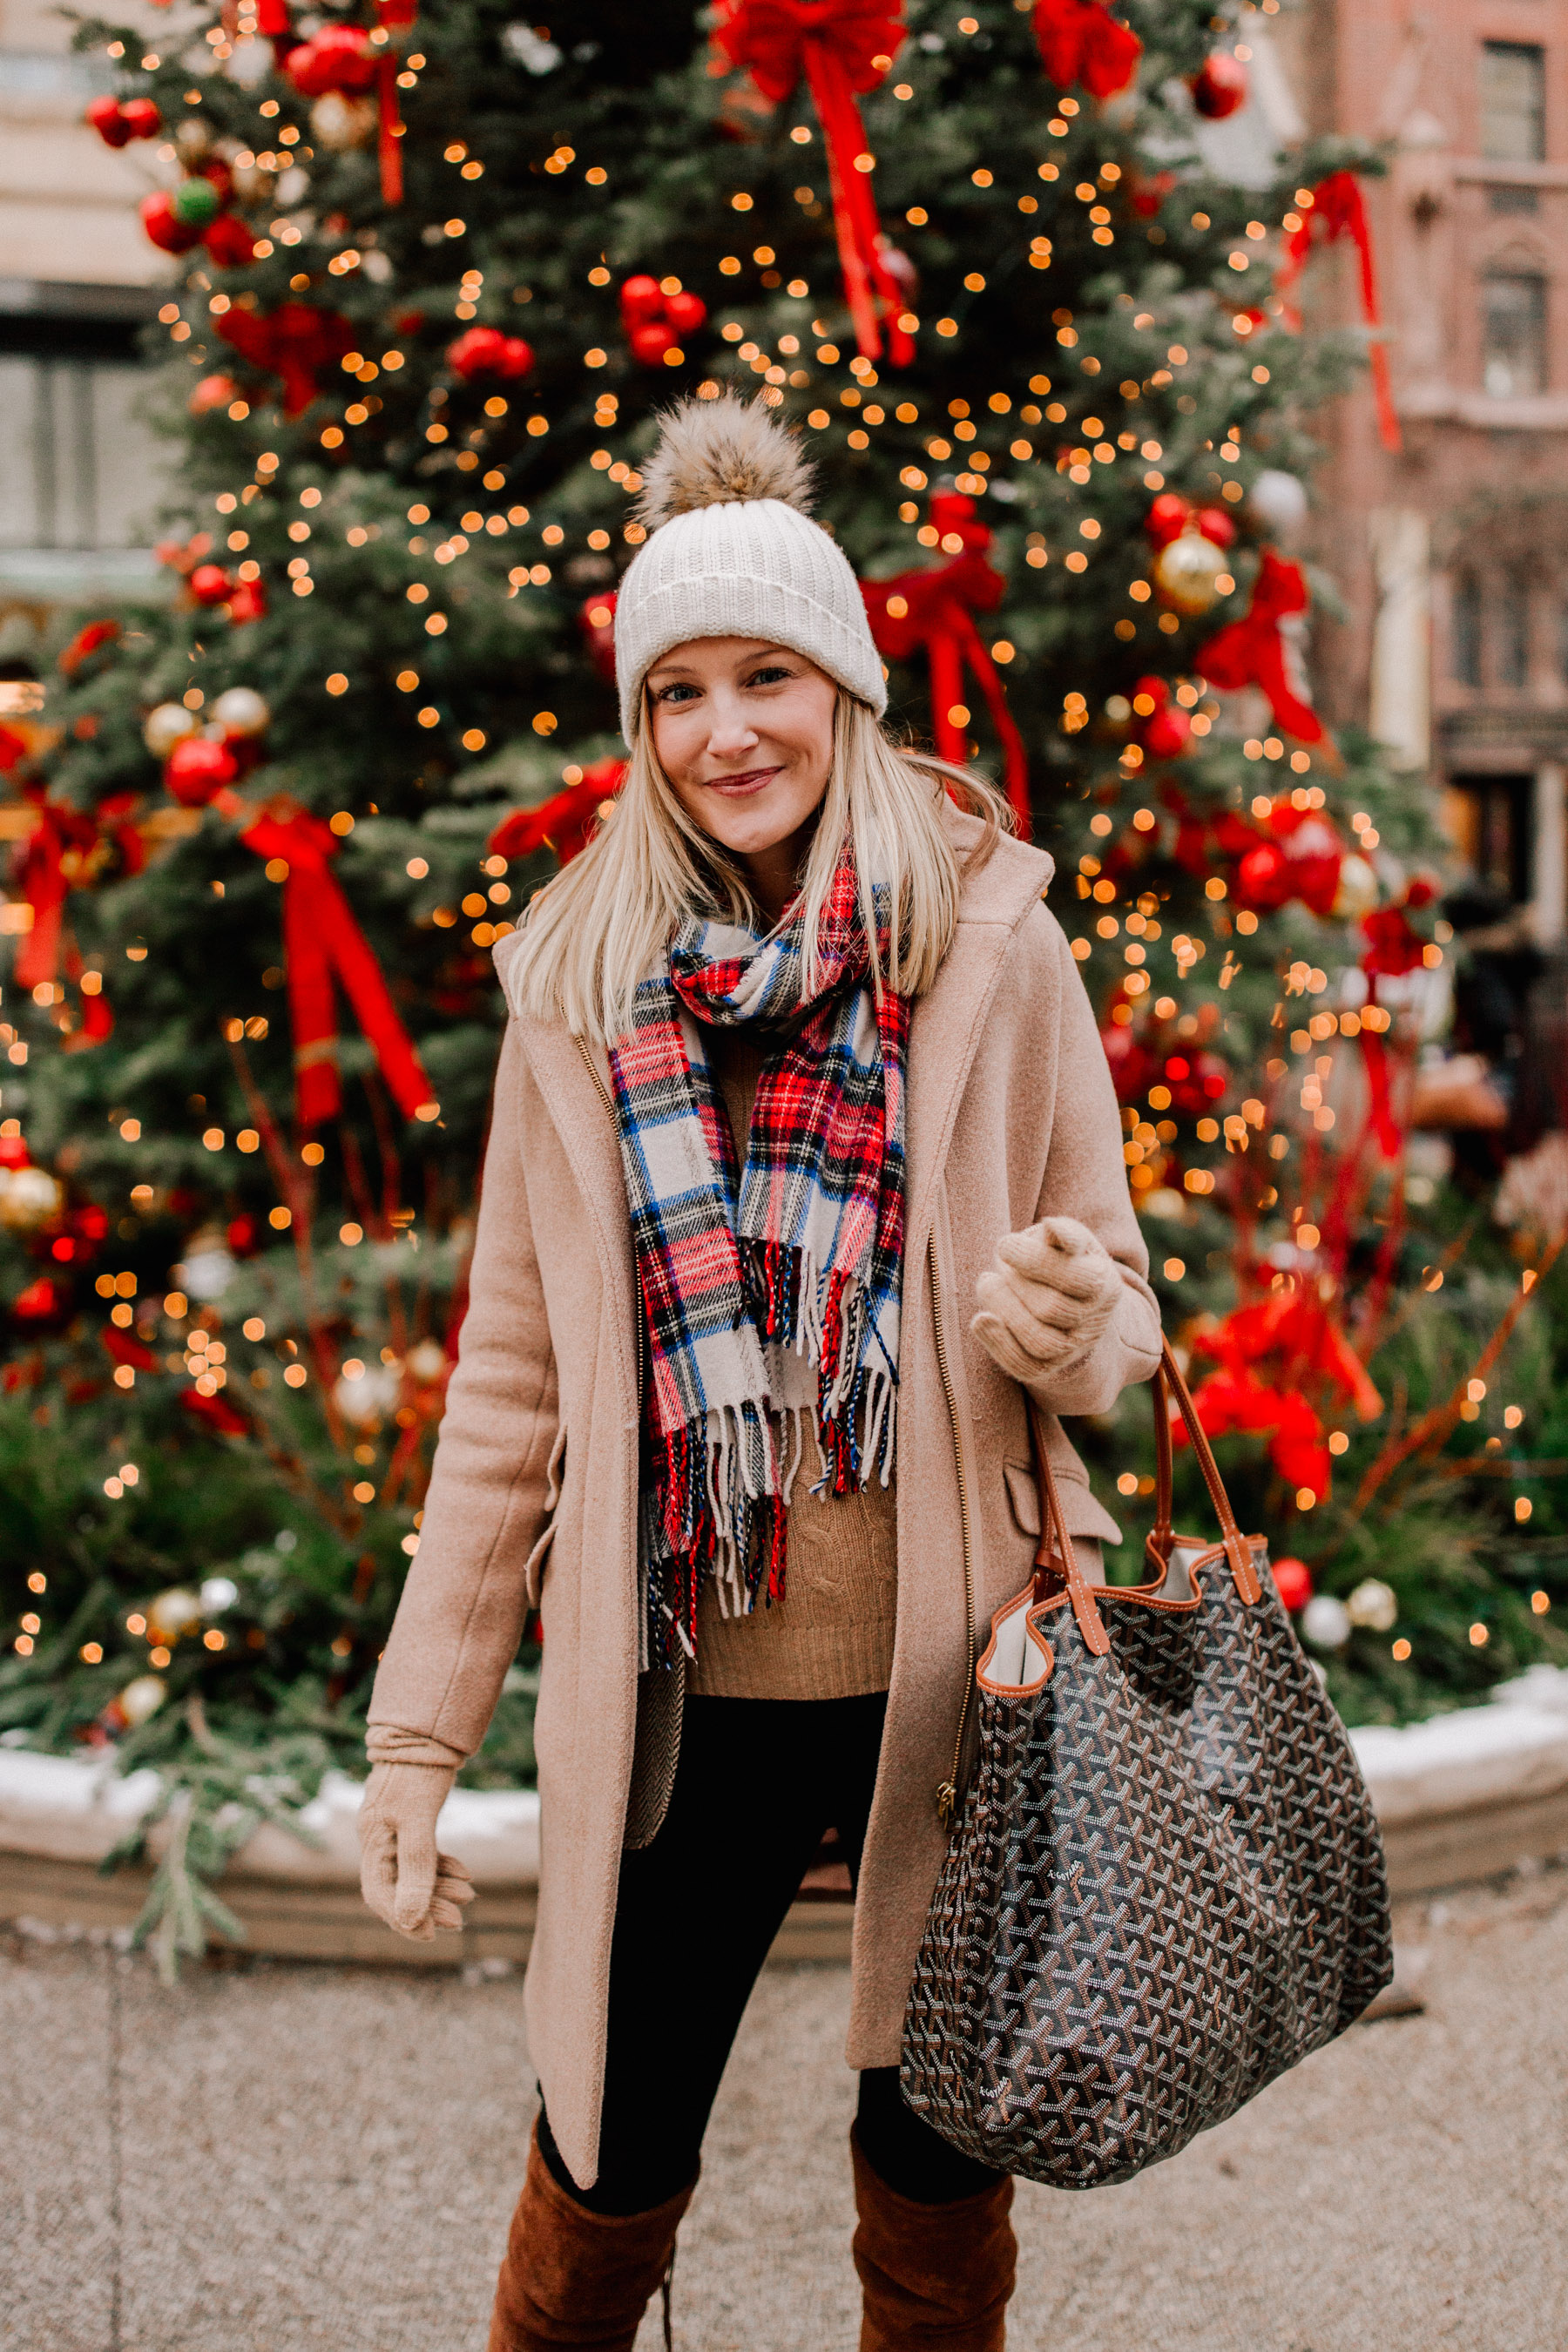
(1055,1555)
(1168,1383)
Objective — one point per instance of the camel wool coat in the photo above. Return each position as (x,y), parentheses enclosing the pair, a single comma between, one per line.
(1011,1118)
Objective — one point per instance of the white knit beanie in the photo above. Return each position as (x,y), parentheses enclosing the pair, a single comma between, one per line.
(733,553)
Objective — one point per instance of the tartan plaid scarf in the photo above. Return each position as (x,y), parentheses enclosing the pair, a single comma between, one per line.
(770,1289)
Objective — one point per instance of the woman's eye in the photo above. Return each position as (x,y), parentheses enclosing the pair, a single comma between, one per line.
(675,693)
(769,677)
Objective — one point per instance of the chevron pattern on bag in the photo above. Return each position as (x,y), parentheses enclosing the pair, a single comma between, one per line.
(1166,1887)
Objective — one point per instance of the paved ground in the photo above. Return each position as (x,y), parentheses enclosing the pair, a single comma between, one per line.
(279,2159)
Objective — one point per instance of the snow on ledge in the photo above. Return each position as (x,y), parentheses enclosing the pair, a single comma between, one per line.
(72,1809)
(75,1809)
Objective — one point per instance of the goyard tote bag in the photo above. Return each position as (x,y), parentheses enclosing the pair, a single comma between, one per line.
(1166,1883)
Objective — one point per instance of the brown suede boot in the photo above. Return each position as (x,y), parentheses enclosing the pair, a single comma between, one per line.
(574,2278)
(936,2276)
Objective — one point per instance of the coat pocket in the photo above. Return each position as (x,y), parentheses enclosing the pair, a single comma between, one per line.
(538,1559)
(1085,1514)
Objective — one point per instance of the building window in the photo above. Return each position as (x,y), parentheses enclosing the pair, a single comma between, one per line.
(1514,103)
(1512,647)
(71,476)
(1513,335)
(1488,820)
(81,471)
(1467,639)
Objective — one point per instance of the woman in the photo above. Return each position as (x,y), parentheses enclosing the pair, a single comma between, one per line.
(800,1074)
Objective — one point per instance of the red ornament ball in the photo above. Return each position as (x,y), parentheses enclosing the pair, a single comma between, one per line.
(339,57)
(486,352)
(1263,877)
(1216,526)
(210,584)
(1293,1583)
(650,343)
(248,603)
(685,313)
(1167,734)
(141,118)
(640,299)
(198,768)
(1166,519)
(229,242)
(163,224)
(105,116)
(213,392)
(1220,86)
(43,1301)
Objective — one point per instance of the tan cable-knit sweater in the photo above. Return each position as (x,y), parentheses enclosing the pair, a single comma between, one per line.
(831,1636)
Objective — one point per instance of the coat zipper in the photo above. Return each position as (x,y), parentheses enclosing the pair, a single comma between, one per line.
(597,1075)
(947,1794)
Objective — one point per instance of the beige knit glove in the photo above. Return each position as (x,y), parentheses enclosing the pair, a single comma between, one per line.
(402,1877)
(1047,1299)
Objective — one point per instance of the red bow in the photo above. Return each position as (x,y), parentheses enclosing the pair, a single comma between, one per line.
(293,343)
(321,941)
(1337,211)
(934,608)
(1251,651)
(1393,947)
(64,852)
(1296,1328)
(564,824)
(841,47)
(1081,41)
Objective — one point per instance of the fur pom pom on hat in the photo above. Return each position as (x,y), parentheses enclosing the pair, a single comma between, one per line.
(733,552)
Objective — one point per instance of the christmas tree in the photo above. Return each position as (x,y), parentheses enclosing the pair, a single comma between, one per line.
(1042,339)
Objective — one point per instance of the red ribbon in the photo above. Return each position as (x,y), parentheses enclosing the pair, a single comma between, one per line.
(836,46)
(57,857)
(1081,41)
(1394,947)
(933,609)
(322,942)
(564,824)
(1251,651)
(294,342)
(393,16)
(1338,210)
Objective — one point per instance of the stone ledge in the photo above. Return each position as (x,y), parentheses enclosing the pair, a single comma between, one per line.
(1462,1798)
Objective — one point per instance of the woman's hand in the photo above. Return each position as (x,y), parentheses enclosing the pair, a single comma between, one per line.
(402,1877)
(1048,1296)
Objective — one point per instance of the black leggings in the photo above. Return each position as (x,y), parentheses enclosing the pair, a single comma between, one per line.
(760,1781)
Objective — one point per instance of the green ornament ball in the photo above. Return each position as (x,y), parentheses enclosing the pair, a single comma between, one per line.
(196,201)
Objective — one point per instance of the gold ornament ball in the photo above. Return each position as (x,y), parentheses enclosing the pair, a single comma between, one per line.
(1187,573)
(343,122)
(29,1197)
(1373,1604)
(242,711)
(140,1699)
(1357,893)
(193,142)
(174,1613)
(168,725)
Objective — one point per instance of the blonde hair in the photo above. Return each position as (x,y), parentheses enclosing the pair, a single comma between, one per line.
(605,920)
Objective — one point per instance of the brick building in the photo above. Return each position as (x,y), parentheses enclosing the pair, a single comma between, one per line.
(1452,553)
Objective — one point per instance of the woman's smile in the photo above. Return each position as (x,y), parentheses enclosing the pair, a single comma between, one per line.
(750,780)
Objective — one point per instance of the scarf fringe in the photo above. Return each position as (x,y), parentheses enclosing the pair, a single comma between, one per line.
(717,1503)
